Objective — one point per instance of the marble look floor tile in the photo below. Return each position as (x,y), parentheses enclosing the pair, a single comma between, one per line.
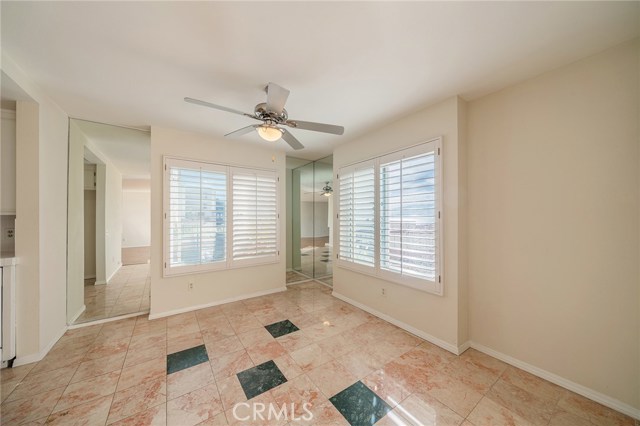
(262,352)
(337,345)
(310,357)
(6,387)
(98,367)
(331,378)
(565,418)
(185,341)
(294,341)
(359,405)
(255,337)
(260,379)
(186,358)
(16,373)
(137,399)
(477,377)
(106,348)
(34,384)
(190,379)
(485,361)
(387,387)
(535,410)
(224,346)
(288,366)
(230,364)
(195,407)
(426,411)
(91,413)
(592,411)
(154,416)
(296,393)
(146,326)
(139,373)
(532,384)
(360,363)
(245,323)
(141,355)
(231,392)
(88,390)
(448,390)
(281,328)
(31,408)
(489,413)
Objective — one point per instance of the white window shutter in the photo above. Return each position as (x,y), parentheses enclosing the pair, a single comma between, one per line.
(255,215)
(357,215)
(196,215)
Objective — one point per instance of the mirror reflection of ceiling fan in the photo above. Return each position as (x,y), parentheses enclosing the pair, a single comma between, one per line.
(327,191)
(273,116)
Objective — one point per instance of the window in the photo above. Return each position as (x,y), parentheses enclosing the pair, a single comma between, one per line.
(201,200)
(389,217)
(356,214)
(255,215)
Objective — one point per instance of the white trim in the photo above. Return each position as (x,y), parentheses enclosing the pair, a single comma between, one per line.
(560,381)
(28,359)
(77,314)
(100,283)
(114,273)
(409,328)
(105,320)
(216,303)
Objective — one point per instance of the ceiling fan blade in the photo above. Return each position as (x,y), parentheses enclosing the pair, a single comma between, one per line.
(220,107)
(276,97)
(291,140)
(243,131)
(316,127)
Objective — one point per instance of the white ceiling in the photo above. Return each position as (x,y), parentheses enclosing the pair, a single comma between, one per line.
(356,64)
(128,149)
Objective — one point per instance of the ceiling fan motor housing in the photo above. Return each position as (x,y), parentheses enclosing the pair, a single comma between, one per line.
(270,117)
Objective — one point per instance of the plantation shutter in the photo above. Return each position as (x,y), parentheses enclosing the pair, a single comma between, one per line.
(357,214)
(408,214)
(196,214)
(255,215)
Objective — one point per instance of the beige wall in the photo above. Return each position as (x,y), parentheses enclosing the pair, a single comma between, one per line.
(136,218)
(89,233)
(172,294)
(76,239)
(554,222)
(437,316)
(41,225)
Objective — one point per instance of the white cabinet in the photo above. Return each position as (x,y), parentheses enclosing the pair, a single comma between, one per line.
(8,163)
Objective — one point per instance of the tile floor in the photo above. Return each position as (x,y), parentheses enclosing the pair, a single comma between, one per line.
(350,367)
(127,292)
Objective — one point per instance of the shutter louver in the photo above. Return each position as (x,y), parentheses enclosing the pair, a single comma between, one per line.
(255,215)
(196,216)
(357,216)
(408,216)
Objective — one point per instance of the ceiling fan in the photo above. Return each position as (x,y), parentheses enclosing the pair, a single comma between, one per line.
(273,116)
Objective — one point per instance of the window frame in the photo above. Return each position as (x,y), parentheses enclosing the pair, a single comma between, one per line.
(229,262)
(434,287)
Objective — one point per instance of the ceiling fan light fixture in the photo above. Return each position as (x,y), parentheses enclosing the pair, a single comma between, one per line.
(327,190)
(269,133)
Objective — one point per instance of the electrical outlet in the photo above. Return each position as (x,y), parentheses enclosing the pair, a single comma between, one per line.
(10,232)
(384,291)
(190,286)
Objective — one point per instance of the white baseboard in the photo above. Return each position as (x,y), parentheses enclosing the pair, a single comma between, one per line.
(28,359)
(409,328)
(80,311)
(560,381)
(216,303)
(105,320)
(100,283)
